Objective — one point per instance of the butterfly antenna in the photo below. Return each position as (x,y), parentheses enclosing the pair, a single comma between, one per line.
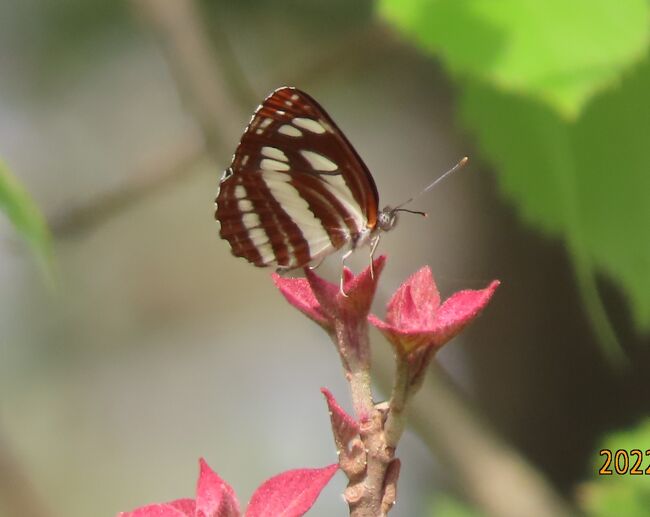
(459,165)
(416,212)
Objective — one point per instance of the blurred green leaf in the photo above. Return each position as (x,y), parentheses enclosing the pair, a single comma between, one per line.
(448,506)
(556,51)
(619,495)
(19,207)
(586,180)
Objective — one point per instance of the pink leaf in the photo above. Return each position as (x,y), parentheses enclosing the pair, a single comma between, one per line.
(214,497)
(344,426)
(298,293)
(460,309)
(289,494)
(415,301)
(343,316)
(323,302)
(415,319)
(359,292)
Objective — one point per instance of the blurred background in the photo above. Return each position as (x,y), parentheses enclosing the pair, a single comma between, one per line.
(131,341)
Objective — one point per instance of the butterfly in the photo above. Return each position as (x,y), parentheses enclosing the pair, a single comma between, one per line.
(297,191)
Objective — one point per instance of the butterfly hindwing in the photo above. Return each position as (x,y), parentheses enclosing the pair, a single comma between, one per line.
(296,189)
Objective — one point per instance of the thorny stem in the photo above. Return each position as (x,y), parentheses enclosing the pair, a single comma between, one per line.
(368,494)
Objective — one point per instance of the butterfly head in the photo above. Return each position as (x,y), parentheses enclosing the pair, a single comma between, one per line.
(387,219)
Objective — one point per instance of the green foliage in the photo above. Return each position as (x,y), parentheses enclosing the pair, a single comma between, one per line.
(556,51)
(619,495)
(587,180)
(557,94)
(16,203)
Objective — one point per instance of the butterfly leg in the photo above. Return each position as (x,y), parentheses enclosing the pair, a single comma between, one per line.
(343,259)
(373,246)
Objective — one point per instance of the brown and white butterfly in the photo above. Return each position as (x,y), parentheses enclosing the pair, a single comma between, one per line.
(296,190)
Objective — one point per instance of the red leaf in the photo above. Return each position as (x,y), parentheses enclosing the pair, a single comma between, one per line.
(359,292)
(415,318)
(323,302)
(289,494)
(416,301)
(298,293)
(344,426)
(460,309)
(214,497)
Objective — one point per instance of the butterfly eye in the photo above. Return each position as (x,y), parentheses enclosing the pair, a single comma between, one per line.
(387,219)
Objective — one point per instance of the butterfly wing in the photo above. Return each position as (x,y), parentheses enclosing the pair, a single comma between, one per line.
(296,189)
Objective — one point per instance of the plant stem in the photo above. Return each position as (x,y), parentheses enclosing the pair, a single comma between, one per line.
(361,393)
(365,496)
(365,493)
(396,420)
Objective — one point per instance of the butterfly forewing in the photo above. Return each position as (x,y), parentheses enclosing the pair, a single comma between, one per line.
(296,189)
